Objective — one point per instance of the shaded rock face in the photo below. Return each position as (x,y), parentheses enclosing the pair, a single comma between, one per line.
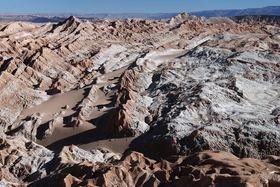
(201,169)
(200,97)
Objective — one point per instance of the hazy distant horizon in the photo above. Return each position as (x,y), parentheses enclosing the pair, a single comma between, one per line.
(121,13)
(125,6)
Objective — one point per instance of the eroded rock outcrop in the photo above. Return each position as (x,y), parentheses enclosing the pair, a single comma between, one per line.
(201,169)
(199,97)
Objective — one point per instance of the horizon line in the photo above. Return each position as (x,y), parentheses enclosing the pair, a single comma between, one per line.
(115,13)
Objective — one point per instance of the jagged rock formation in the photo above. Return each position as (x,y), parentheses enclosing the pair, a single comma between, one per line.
(201,169)
(200,97)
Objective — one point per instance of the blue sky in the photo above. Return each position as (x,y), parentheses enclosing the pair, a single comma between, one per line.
(126,6)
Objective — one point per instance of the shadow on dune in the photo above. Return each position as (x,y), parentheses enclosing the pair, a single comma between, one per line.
(101,132)
(41,130)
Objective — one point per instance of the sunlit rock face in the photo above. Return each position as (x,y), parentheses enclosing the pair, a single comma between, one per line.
(141,102)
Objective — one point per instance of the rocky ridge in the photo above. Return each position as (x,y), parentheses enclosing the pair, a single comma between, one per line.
(200,97)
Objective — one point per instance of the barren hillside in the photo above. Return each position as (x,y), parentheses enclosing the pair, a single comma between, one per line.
(184,102)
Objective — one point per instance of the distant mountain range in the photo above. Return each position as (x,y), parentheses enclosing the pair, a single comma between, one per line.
(43,18)
(268,11)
